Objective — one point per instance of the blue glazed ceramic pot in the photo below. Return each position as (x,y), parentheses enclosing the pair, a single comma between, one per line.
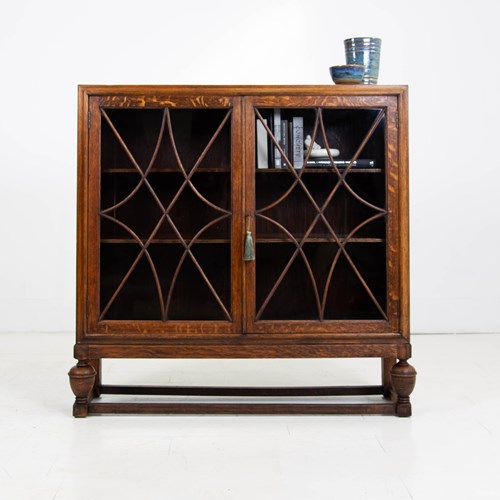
(347,74)
(366,51)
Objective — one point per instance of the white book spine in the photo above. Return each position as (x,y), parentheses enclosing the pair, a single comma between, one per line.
(262,158)
(277,136)
(298,141)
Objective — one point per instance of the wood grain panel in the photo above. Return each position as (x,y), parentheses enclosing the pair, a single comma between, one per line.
(244,351)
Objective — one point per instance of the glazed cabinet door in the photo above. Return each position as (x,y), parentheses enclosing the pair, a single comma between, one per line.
(164,215)
(324,217)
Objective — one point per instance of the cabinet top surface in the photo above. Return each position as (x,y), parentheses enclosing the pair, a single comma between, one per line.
(245,89)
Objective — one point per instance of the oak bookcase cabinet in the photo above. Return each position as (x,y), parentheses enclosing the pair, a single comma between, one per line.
(186,249)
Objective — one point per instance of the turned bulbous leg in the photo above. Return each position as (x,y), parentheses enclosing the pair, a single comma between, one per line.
(81,379)
(403,378)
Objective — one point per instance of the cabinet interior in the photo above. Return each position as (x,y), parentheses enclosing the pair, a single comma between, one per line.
(165,187)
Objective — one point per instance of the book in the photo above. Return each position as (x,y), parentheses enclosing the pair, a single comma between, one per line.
(325,163)
(277,136)
(270,144)
(284,142)
(262,149)
(297,141)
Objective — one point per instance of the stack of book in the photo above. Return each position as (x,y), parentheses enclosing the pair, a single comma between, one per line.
(290,136)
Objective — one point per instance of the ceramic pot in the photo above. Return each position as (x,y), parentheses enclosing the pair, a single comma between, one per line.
(365,51)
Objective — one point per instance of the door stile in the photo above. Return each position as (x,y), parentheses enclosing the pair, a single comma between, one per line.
(237,191)
(249,210)
(404,216)
(94,237)
(82,212)
(392,224)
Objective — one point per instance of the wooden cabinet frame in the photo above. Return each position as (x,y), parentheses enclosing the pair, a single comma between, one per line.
(241,334)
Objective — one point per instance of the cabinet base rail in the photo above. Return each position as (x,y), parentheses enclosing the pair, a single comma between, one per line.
(383,406)
(361,390)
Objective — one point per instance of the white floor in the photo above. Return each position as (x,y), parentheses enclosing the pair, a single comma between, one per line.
(449,449)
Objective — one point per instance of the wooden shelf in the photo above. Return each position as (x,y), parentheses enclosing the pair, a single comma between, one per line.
(228,170)
(321,170)
(206,170)
(259,239)
(165,241)
(316,239)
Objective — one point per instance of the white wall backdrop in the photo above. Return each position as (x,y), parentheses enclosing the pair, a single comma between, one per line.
(446,51)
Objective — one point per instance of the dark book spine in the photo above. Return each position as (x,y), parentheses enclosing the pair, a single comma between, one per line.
(270,145)
(284,141)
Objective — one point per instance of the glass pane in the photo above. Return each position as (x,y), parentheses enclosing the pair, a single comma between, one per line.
(165,214)
(138,297)
(192,298)
(320,226)
(294,298)
(138,129)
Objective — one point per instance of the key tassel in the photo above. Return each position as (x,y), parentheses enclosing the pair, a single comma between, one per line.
(249,247)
